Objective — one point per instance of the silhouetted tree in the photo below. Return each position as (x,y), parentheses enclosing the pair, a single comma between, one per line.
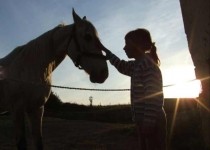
(54,102)
(91,101)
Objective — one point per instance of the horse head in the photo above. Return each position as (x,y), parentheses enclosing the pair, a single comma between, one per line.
(85,50)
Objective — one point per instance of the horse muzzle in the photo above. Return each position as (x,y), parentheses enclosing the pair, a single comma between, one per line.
(99,76)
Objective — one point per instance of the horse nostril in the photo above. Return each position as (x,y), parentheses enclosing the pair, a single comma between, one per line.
(104,73)
(99,76)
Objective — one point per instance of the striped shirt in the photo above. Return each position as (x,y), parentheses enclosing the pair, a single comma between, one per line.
(146,87)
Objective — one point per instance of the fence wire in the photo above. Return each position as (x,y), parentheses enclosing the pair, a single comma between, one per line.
(85,89)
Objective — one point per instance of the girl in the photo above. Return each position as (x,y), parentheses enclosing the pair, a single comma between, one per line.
(146,88)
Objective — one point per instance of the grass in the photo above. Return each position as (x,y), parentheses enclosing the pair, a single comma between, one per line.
(75,135)
(107,128)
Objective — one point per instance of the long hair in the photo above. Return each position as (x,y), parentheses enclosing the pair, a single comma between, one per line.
(153,54)
(143,39)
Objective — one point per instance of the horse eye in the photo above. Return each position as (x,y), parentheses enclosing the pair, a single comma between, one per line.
(88,37)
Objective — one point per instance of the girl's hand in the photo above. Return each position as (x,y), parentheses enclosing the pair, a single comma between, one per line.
(108,53)
(103,48)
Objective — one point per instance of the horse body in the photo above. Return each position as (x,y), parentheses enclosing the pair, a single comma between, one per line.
(28,69)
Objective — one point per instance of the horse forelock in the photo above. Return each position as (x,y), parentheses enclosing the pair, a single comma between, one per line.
(90,26)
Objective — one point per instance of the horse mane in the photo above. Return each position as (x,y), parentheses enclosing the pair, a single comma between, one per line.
(7,59)
(33,47)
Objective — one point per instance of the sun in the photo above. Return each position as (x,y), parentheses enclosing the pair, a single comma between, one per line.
(189,89)
(182,83)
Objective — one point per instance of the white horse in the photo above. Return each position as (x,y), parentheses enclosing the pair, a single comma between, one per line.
(26,72)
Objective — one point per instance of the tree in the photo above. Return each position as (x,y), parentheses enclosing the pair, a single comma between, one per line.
(91,101)
(54,102)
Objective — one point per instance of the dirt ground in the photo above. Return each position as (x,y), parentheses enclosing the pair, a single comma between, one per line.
(60,134)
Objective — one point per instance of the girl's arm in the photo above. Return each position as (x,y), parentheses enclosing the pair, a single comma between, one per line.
(124,67)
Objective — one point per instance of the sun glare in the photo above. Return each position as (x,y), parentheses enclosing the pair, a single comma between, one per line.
(189,89)
(182,83)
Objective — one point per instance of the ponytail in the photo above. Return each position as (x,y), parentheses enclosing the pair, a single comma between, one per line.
(153,54)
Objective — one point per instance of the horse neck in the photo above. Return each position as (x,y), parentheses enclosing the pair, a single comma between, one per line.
(61,41)
(10,57)
(41,55)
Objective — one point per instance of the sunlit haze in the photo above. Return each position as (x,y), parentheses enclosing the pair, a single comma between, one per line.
(24,20)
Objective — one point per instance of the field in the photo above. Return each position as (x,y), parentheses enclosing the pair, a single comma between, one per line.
(60,134)
(106,128)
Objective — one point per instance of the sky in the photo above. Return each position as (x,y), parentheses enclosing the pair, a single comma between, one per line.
(24,20)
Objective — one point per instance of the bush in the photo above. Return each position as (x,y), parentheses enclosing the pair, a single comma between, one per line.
(54,102)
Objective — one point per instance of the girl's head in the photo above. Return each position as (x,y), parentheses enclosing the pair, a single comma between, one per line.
(139,42)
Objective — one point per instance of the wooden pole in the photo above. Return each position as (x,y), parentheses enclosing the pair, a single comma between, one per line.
(196,18)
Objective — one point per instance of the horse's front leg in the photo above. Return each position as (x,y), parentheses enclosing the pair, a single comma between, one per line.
(18,117)
(35,119)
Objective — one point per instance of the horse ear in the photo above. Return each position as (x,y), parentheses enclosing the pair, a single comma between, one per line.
(84,18)
(75,16)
